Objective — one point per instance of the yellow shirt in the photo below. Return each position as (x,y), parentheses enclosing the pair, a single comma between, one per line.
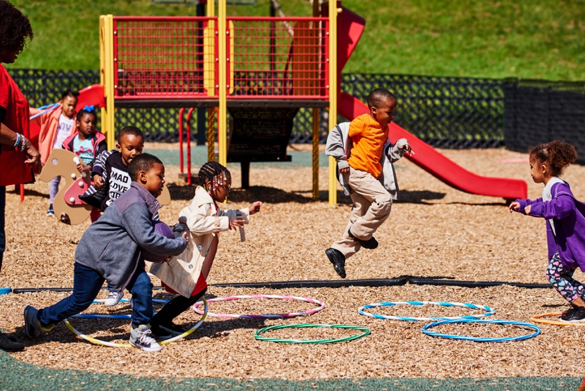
(368,143)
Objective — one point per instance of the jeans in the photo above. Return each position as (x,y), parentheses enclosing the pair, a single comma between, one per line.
(53,188)
(87,283)
(2,234)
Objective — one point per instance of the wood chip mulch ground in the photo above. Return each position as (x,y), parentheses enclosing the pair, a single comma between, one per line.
(434,231)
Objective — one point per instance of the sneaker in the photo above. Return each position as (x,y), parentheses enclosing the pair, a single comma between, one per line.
(569,313)
(173,328)
(160,334)
(32,325)
(141,338)
(10,344)
(50,211)
(338,261)
(578,315)
(113,298)
(370,244)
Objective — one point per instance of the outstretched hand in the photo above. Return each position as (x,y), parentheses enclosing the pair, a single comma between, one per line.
(235,224)
(255,207)
(514,206)
(408,149)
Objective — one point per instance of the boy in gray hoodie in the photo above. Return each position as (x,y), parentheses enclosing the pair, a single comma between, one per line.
(110,250)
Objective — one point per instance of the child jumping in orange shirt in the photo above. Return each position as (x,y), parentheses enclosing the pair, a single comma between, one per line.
(364,157)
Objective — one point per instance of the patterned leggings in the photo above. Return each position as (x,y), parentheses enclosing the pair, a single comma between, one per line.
(562,279)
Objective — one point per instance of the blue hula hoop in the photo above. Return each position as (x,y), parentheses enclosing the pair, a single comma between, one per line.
(426,328)
(489,310)
(111,316)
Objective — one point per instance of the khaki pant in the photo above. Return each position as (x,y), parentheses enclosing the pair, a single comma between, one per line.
(371,207)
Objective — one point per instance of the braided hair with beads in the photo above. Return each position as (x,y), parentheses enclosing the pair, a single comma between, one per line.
(212,175)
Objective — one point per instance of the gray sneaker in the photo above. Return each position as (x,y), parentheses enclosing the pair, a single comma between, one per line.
(113,298)
(141,338)
(32,325)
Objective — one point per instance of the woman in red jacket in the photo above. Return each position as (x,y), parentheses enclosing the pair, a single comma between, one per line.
(17,154)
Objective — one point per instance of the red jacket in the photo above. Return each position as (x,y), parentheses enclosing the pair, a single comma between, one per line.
(13,169)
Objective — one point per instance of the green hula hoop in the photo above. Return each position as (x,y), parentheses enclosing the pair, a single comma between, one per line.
(365,330)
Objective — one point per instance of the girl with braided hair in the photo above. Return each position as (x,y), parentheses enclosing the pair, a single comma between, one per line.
(565,222)
(186,274)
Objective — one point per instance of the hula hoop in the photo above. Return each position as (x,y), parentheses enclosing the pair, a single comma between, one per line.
(489,310)
(257,335)
(127,345)
(265,316)
(537,319)
(426,328)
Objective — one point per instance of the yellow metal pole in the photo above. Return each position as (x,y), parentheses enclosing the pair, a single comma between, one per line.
(104,112)
(109,81)
(315,153)
(210,8)
(222,121)
(332,94)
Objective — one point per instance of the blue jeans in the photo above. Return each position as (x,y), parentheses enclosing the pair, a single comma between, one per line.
(87,283)
(2,234)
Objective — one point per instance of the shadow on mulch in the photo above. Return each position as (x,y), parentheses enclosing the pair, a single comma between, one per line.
(275,196)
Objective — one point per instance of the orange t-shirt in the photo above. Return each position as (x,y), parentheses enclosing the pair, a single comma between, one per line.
(368,143)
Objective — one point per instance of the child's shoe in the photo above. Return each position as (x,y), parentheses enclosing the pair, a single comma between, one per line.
(578,315)
(338,261)
(113,298)
(10,344)
(141,338)
(569,313)
(369,244)
(32,324)
(50,211)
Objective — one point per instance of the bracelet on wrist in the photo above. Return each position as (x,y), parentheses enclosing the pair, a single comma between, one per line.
(23,146)
(17,140)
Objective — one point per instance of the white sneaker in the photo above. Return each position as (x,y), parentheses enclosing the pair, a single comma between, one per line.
(141,338)
(113,298)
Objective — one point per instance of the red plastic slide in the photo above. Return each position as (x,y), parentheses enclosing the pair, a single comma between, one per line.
(351,27)
(437,164)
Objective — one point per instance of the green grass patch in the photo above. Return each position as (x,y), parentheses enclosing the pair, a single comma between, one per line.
(468,38)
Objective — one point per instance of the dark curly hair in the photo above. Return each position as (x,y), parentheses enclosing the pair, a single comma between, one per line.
(556,153)
(14,29)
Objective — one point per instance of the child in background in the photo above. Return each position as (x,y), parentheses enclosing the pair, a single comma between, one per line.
(364,159)
(55,128)
(203,219)
(86,142)
(110,250)
(111,179)
(565,222)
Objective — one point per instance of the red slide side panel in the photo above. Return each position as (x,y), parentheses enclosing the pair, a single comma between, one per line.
(437,164)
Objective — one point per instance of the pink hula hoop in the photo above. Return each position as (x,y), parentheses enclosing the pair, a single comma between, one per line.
(265,316)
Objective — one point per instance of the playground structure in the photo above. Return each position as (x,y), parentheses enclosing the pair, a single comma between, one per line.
(263,69)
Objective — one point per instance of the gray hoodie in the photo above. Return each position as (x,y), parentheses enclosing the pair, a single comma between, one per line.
(112,244)
(339,147)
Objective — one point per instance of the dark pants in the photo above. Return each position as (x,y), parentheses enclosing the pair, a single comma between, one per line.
(86,285)
(174,308)
(2,222)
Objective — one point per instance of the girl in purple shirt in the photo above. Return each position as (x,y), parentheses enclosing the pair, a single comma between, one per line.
(565,222)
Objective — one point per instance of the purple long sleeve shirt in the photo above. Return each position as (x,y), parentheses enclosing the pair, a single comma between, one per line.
(568,216)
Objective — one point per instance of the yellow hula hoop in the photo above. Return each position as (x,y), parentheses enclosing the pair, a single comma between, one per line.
(537,319)
(127,345)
